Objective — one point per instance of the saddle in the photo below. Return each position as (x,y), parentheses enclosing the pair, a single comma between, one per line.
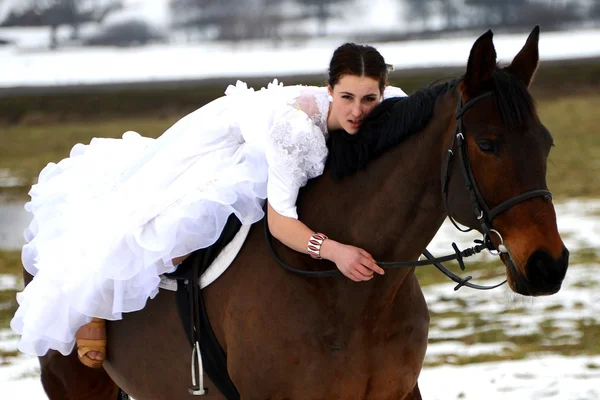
(207,353)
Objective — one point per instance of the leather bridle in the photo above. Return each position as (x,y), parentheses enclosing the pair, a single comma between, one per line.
(482,211)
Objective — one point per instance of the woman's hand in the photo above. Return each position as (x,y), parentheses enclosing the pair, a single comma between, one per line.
(353,262)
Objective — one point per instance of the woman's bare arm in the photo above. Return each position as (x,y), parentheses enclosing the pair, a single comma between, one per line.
(353,262)
(290,231)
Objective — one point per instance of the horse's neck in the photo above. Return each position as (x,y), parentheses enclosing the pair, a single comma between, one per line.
(396,204)
(393,208)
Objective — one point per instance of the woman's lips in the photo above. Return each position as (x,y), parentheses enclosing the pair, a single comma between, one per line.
(355,124)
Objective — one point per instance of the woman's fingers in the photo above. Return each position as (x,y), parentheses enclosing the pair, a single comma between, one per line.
(370,262)
(358,277)
(365,253)
(358,265)
(372,265)
(363,270)
(353,273)
(350,275)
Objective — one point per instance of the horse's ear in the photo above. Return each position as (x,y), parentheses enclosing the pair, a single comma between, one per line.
(481,64)
(526,62)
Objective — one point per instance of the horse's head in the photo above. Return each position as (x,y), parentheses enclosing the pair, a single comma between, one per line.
(497,179)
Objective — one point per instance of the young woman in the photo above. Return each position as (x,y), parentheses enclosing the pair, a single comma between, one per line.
(118,213)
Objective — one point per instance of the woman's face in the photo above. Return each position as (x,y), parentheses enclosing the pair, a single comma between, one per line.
(353,99)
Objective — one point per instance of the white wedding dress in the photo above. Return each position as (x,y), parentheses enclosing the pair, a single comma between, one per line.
(108,220)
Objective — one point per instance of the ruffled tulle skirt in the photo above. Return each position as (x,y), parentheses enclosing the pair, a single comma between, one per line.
(108,220)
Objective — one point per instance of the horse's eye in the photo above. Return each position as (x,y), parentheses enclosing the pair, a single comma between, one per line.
(486,146)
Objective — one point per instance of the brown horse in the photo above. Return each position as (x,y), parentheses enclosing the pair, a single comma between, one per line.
(291,337)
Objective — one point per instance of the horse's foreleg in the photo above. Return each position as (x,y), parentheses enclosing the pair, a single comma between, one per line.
(65,378)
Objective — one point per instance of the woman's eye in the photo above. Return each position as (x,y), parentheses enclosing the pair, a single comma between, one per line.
(346,97)
(370,99)
(486,146)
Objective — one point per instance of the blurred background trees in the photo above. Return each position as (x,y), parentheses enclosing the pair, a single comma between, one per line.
(228,19)
(276,20)
(56,13)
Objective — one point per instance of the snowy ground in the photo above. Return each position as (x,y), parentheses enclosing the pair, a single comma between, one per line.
(553,321)
(541,377)
(557,320)
(33,65)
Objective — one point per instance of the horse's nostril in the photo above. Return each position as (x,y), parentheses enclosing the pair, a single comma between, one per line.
(542,269)
(539,264)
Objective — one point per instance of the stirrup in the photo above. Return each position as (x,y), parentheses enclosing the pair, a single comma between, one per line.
(197,388)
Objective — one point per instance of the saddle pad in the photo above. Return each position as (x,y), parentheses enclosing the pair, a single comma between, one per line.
(218,266)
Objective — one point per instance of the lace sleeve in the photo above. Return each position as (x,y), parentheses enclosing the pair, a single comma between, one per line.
(296,152)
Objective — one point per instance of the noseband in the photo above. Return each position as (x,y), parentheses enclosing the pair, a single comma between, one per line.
(482,211)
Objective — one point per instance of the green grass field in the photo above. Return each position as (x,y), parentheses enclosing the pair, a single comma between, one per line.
(574,165)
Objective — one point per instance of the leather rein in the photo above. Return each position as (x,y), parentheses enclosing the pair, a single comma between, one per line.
(482,211)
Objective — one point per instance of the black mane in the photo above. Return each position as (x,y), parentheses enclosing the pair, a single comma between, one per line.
(395,119)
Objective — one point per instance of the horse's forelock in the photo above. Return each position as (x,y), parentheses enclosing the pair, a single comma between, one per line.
(513,99)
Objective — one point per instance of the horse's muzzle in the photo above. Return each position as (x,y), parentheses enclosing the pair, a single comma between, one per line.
(544,274)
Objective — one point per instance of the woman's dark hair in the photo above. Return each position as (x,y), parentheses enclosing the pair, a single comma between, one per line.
(357,60)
